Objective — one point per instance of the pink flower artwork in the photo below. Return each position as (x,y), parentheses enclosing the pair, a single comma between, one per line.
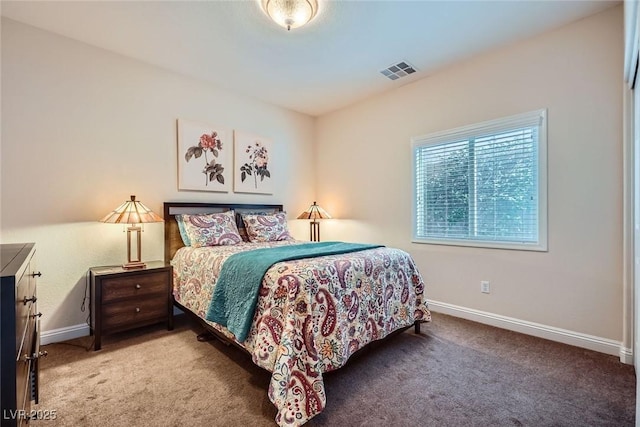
(253,168)
(203,153)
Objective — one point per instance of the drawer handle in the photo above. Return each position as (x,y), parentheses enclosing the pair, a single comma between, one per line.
(36,315)
(137,310)
(32,299)
(38,274)
(138,286)
(35,356)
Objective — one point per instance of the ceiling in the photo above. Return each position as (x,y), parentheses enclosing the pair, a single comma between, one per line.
(328,64)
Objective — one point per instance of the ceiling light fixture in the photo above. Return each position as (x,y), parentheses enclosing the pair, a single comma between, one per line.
(290,13)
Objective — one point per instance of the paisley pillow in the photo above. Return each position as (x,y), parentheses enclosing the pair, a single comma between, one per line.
(266,227)
(183,231)
(215,229)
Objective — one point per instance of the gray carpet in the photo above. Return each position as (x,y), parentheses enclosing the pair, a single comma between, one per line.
(456,373)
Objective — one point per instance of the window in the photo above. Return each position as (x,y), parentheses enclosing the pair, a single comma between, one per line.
(483,185)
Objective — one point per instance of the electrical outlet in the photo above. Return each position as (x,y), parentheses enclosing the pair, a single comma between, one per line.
(485,287)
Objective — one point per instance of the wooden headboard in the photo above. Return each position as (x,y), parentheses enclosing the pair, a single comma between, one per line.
(172,239)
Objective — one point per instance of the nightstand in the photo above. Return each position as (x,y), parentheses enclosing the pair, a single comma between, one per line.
(126,299)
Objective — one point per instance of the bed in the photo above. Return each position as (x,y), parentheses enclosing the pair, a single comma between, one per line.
(311,314)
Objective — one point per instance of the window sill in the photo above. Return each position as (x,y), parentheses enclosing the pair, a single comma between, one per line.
(535,247)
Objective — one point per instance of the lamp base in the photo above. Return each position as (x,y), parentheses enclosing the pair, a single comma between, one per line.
(133,265)
(314,233)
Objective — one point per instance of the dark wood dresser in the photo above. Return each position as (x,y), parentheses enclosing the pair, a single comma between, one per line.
(19,333)
(125,299)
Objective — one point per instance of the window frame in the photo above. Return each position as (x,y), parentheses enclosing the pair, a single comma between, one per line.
(478,130)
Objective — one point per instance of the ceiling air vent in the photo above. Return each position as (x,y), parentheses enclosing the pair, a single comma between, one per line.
(401,69)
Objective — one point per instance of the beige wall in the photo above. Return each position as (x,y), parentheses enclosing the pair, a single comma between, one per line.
(83,128)
(364,175)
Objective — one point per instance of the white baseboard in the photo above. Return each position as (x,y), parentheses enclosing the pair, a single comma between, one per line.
(602,345)
(71,332)
(64,334)
(564,336)
(626,355)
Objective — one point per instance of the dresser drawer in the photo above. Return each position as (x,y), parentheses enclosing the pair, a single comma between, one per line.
(25,336)
(132,286)
(133,313)
(23,397)
(18,333)
(24,292)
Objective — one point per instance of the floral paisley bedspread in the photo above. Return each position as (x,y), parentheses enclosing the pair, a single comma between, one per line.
(312,314)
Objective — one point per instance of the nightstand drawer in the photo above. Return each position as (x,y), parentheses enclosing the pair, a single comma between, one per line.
(123,299)
(133,286)
(134,312)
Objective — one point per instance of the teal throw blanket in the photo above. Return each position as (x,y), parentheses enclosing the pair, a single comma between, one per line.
(236,293)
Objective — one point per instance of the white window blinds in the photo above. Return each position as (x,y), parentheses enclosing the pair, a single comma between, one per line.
(483,185)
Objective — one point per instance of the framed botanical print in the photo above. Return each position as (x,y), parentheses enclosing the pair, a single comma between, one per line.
(252,169)
(204,157)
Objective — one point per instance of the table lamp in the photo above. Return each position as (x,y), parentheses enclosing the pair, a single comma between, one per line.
(313,213)
(132,212)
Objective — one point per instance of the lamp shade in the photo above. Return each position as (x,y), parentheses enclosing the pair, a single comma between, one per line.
(290,13)
(132,212)
(314,212)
